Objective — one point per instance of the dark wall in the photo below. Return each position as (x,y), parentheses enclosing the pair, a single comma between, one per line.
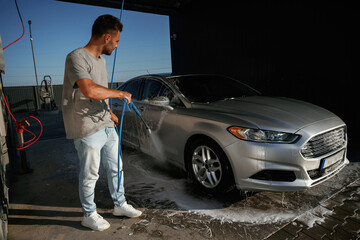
(298,49)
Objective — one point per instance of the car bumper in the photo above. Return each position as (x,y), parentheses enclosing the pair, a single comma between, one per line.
(282,167)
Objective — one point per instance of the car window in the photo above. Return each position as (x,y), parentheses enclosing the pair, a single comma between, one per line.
(205,89)
(121,87)
(154,89)
(133,88)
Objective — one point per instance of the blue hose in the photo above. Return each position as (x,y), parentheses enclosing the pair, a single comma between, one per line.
(112,76)
(122,111)
(128,107)
(120,151)
(113,70)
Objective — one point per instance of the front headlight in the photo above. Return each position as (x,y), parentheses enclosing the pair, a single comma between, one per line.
(259,135)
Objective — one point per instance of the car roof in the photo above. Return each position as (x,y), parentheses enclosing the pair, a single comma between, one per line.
(171,75)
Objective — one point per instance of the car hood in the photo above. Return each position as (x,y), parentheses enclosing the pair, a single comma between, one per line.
(269,113)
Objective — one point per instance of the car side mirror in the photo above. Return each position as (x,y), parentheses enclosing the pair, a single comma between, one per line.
(161,101)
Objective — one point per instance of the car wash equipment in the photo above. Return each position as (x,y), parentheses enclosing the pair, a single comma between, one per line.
(119,147)
(47,96)
(128,107)
(113,69)
(132,105)
(22,124)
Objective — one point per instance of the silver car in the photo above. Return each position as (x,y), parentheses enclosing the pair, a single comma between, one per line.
(225,134)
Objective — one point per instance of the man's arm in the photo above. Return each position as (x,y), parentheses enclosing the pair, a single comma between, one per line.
(98,92)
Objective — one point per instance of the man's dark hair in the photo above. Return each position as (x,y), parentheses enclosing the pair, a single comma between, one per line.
(106,24)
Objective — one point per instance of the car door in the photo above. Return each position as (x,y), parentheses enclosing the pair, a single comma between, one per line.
(162,120)
(130,128)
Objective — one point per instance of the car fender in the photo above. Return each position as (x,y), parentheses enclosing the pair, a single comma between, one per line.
(215,131)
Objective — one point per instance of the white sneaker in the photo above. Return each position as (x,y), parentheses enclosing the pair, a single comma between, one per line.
(126,210)
(95,222)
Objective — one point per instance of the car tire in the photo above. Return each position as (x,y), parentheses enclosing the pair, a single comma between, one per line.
(209,167)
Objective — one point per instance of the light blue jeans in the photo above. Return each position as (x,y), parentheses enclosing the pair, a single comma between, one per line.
(102,147)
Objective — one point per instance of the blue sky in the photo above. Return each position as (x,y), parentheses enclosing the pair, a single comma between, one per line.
(60,27)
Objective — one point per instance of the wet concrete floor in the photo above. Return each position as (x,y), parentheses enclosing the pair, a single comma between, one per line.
(45,203)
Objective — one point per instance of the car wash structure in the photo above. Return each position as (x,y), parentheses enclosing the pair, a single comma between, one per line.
(4,195)
(289,48)
(7,135)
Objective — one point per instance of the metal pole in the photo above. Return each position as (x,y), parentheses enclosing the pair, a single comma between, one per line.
(36,77)
(24,165)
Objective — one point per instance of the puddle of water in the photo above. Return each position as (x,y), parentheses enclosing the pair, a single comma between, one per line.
(154,184)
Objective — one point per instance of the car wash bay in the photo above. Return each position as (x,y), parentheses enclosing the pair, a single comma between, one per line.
(291,49)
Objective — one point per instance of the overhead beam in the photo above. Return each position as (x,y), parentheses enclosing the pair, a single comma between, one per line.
(165,7)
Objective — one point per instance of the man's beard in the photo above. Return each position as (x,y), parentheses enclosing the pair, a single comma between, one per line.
(107,51)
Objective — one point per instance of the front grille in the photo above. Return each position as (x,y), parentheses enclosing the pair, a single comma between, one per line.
(324,143)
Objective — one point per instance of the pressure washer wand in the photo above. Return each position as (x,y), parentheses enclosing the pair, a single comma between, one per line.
(126,105)
(139,114)
(132,105)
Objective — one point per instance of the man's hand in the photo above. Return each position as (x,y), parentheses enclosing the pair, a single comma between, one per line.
(125,95)
(114,118)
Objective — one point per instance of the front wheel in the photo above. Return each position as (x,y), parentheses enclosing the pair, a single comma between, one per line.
(209,166)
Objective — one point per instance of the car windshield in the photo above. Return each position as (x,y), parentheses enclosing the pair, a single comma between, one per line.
(204,89)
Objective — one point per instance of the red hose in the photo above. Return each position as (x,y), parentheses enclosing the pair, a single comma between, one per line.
(22,23)
(21,125)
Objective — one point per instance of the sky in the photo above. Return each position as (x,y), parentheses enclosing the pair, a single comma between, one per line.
(58,28)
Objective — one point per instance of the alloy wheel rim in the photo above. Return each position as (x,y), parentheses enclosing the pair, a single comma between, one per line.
(206,166)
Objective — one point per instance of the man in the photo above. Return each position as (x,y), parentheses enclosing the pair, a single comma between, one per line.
(90,122)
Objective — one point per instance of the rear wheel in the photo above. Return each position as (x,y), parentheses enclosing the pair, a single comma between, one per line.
(209,166)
